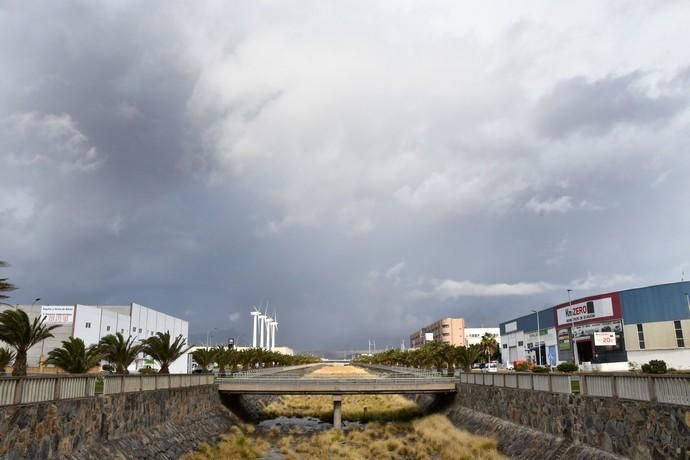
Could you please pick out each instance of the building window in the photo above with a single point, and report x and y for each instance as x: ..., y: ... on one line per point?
x: 446, y: 334
x: 445, y: 326
x: 679, y: 334
x: 640, y: 336
x: 107, y: 328
x: 87, y: 325
x: 505, y: 345
x: 520, y: 343
x: 139, y: 330
x: 134, y: 329
x: 122, y: 331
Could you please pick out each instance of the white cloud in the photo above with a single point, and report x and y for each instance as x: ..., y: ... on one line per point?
x: 451, y: 289
x: 560, y: 204
x: 234, y: 316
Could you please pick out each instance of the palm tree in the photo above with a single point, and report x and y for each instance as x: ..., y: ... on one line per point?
x: 5, y: 286
x: 204, y: 357
x: 6, y: 357
x: 488, y: 345
x: 74, y: 357
x: 160, y: 349
x: 119, y: 351
x: 226, y: 357
x: 21, y: 334
x: 466, y: 356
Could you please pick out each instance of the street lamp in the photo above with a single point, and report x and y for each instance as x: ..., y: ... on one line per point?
x: 538, y: 338
x: 572, y: 328
x: 687, y: 300
x: 208, y: 336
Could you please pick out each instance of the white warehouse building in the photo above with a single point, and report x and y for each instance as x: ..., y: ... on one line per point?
x: 92, y: 322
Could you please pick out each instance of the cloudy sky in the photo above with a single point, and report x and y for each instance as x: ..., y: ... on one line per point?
x: 365, y: 167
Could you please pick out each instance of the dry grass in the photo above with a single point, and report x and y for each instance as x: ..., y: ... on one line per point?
x: 433, y: 437
x: 338, y: 370
x: 240, y: 443
x: 361, y: 408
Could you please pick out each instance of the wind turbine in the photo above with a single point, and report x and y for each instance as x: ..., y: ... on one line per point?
x: 255, y: 314
x: 269, y: 322
x: 275, y: 328
x: 262, y: 322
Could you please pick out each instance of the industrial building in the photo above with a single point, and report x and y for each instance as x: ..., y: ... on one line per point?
x: 92, y: 322
x: 610, y: 332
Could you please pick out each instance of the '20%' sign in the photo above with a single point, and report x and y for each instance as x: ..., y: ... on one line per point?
x: 604, y: 339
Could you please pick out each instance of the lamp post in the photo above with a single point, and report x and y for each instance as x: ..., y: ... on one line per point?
x: 208, y: 336
x: 687, y: 300
x: 572, y: 328
x: 538, y: 338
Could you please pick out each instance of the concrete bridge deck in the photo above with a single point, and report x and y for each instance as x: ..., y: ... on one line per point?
x: 275, y: 385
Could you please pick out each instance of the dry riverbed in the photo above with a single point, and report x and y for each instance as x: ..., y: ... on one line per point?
x: 393, y: 430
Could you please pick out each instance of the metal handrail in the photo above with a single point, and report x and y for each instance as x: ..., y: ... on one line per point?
x: 331, y: 381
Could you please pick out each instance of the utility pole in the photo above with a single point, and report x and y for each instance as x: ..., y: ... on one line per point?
x: 572, y: 329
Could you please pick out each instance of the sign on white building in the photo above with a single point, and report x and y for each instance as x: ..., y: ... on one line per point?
x: 590, y: 309
x: 604, y: 339
x: 57, y: 313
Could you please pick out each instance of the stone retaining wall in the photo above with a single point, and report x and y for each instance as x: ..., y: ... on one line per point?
x: 149, y: 424
x: 634, y: 429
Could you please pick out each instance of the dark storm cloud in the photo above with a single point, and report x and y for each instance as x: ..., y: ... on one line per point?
x: 593, y: 107
x: 359, y: 176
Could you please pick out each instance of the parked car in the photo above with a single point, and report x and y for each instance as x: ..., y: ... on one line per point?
x: 492, y: 366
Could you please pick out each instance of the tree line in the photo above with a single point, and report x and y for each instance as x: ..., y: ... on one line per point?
x: 437, y: 355
x: 74, y: 357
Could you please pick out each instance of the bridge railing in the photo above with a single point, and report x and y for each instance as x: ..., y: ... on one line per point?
x: 114, y: 384
x: 31, y: 389
x: 268, y: 370
x: 670, y: 389
x: 421, y: 372
x: 38, y: 388
x: 331, y: 381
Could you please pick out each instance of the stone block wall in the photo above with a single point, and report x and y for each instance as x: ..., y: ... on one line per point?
x: 113, y: 426
x: 634, y: 429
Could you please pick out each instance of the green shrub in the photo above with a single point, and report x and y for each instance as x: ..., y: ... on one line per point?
x: 540, y: 370
x: 567, y: 367
x: 147, y: 370
x: 655, y: 366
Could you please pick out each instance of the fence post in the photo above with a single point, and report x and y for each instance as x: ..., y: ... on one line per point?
x: 56, y: 388
x: 583, y: 385
x: 651, y: 387
x: 550, y: 383
x: 531, y: 381
x: 122, y: 383
x: 18, y: 390
x: 614, y: 386
x: 141, y: 382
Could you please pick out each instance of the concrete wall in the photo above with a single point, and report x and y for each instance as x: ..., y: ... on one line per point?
x: 150, y: 424
x: 634, y: 429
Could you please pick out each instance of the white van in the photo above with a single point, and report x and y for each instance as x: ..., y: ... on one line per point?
x: 492, y: 366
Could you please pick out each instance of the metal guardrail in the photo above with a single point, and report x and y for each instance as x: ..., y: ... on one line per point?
x: 114, y: 384
x: 332, y: 381
x: 422, y: 372
x: 32, y: 389
x: 669, y: 389
x: 271, y: 370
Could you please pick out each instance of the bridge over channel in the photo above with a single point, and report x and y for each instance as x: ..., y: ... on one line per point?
x: 337, y: 387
